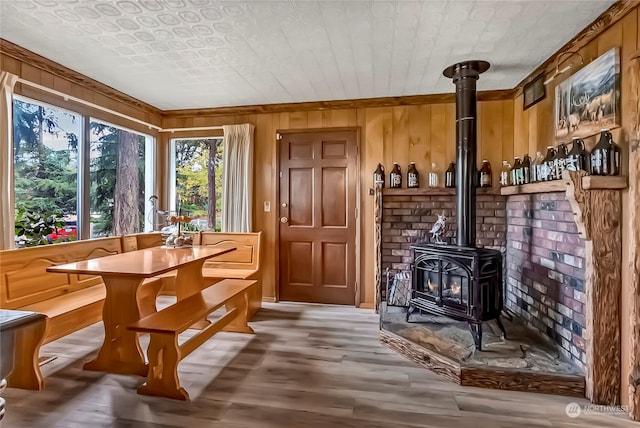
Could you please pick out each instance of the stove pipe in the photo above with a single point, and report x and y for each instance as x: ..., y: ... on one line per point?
x: 464, y: 75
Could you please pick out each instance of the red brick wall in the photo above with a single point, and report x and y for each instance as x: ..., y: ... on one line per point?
x: 545, y: 269
x: 408, y: 219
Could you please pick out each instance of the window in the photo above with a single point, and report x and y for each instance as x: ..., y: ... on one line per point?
x: 196, y: 182
x: 45, y: 154
x: 120, y: 175
x: 55, y: 168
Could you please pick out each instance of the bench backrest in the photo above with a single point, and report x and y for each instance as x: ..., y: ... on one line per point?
x: 24, y: 279
x: 246, y: 255
x: 140, y: 241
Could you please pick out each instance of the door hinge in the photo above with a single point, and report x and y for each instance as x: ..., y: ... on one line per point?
x: 280, y: 174
x: 278, y: 136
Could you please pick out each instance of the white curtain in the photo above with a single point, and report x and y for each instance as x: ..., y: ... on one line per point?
x: 237, y: 188
x: 7, y: 209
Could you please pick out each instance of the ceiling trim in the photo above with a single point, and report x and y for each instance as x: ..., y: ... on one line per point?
x: 505, y: 94
x: 33, y: 59
x: 615, y: 13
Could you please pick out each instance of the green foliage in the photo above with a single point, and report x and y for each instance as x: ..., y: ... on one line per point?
x: 33, y: 228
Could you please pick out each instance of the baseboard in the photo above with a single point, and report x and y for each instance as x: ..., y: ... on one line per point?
x: 365, y: 305
x: 269, y: 299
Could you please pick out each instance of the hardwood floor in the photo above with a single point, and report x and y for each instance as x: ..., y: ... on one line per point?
x: 307, y: 366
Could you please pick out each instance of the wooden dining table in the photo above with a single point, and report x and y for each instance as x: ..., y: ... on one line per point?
x: 130, y: 296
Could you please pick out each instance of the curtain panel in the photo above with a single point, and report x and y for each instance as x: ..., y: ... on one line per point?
x: 237, y: 190
x: 7, y: 207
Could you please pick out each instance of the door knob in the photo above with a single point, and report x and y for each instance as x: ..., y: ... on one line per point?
x: 283, y: 219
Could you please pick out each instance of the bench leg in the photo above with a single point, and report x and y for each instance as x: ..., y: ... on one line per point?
x: 162, y: 378
x: 241, y: 305
x: 26, y: 373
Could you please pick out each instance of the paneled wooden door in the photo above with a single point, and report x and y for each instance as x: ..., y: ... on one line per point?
x: 317, y: 212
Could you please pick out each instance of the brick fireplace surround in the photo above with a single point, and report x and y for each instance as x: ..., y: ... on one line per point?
x: 544, y: 254
x: 562, y: 246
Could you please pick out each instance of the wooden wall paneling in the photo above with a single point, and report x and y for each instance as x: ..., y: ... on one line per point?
x: 507, y: 140
x: 298, y: 120
x: 387, y: 140
x: 533, y: 137
x: 419, y: 148
x: 400, y: 145
x: 450, y: 133
x: 437, y: 138
x: 520, y: 129
x: 284, y: 121
x: 270, y: 257
x: 492, y: 136
x: 314, y: 119
x: 327, y: 118
x: 9, y: 64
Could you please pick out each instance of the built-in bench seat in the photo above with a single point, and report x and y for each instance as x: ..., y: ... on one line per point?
x: 242, y: 263
x: 164, y: 352
x: 70, y: 302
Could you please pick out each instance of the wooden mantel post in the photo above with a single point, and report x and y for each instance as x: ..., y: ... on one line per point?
x: 597, y: 213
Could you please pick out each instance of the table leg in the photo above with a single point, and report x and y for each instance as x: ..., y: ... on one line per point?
x: 120, y: 352
x: 189, y: 281
x: 26, y: 372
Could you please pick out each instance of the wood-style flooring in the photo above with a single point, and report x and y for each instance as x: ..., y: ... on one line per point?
x: 307, y: 366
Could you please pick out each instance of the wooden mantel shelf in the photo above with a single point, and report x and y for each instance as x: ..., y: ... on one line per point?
x: 589, y: 182
x: 437, y: 191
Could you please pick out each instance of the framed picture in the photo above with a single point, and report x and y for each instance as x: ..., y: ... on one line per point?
x: 590, y: 99
x: 534, y: 92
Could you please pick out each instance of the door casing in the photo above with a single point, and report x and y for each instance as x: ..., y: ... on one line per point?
x: 279, y: 132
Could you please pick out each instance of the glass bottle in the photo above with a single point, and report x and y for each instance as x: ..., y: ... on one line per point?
x: 516, y: 172
x: 378, y: 175
x: 413, y: 178
x: 505, y: 174
x: 605, y: 156
x: 615, y: 158
x: 450, y: 176
x: 577, y: 158
x: 559, y: 161
x: 526, y: 169
x: 547, y: 163
x: 535, y: 167
x: 485, y: 174
x: 433, y: 175
x: 395, y: 178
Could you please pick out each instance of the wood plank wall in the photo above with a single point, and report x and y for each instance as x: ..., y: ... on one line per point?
x: 419, y: 133
x: 534, y: 130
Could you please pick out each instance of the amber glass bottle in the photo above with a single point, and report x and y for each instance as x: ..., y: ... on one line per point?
x: 577, y: 158
x: 516, y: 172
x: 526, y: 169
x: 559, y: 162
x: 450, y: 176
x: 378, y: 175
x: 395, y: 178
x: 485, y: 174
x: 605, y: 156
x: 413, y: 178
x: 547, y: 164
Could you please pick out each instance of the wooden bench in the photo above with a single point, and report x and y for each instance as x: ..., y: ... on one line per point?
x: 243, y: 263
x: 164, y: 352
x: 70, y: 302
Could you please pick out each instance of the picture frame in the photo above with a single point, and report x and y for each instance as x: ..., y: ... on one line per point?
x: 534, y: 92
x: 589, y: 100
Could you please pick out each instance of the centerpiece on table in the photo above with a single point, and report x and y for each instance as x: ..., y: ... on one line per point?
x: 176, y: 239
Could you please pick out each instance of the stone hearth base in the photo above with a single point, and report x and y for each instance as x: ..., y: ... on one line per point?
x: 523, y: 362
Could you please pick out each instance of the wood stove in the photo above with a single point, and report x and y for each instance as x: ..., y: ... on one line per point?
x: 461, y: 281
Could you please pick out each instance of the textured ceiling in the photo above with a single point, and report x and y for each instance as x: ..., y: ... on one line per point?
x: 177, y: 54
